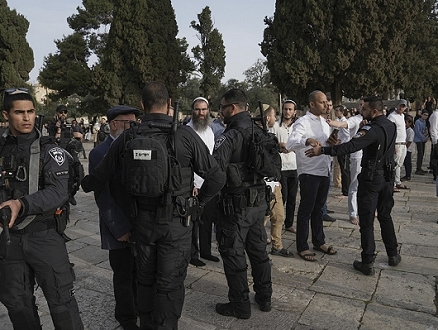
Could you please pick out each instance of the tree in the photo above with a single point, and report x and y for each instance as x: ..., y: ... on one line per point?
x: 257, y: 79
x: 419, y: 57
x: 16, y: 56
x: 344, y: 47
x: 210, y: 54
x: 257, y: 75
x: 66, y: 72
x: 93, y: 22
x: 141, y: 47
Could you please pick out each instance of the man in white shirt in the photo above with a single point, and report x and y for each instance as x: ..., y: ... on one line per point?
x: 344, y: 160
x: 433, y: 132
x: 200, y: 123
x: 277, y: 209
x: 353, y: 124
x: 398, y: 118
x: 289, y: 176
x: 313, y: 174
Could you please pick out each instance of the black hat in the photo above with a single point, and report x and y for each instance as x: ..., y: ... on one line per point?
x: 61, y: 107
x: 120, y: 110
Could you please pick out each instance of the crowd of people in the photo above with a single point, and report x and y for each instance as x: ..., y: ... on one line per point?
x: 163, y: 189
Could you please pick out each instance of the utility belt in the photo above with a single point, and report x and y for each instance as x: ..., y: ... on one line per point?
x: 184, y: 207
x: 231, y: 203
x: 368, y: 173
x: 34, y: 227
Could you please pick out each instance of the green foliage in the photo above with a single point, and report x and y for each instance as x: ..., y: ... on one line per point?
x: 210, y: 54
x: 346, y: 47
x: 67, y: 72
x: 141, y: 47
x: 16, y: 56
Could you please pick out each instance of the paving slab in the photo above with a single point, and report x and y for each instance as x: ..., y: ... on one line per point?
x: 389, y: 318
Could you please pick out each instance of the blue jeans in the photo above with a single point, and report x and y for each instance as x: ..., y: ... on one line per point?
x: 313, y: 191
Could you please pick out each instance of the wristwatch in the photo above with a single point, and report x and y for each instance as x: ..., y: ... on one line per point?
x: 322, y: 150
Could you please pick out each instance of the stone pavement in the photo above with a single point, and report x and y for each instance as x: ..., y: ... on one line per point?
x: 328, y: 294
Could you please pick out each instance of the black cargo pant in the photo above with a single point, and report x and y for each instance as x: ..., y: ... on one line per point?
x: 239, y: 233
x: 163, y: 254
x: 375, y: 195
x: 42, y: 256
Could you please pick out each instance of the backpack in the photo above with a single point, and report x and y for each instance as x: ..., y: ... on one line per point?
x: 263, y: 153
x: 150, y: 168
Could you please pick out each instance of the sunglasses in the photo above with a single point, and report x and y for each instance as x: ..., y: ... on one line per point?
x: 13, y: 91
x: 63, y: 112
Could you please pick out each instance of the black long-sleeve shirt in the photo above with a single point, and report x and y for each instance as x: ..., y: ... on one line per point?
x: 372, y: 139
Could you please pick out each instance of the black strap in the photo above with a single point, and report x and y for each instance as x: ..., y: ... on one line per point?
x: 387, y: 148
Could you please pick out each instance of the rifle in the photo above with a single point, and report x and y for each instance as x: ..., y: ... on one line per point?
x: 5, y: 213
x: 39, y: 122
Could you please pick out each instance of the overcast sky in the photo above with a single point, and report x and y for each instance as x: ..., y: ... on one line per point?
x: 239, y: 21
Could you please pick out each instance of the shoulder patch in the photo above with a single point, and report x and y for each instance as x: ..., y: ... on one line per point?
x: 359, y: 134
x: 366, y: 127
x: 219, y: 141
x: 58, y: 155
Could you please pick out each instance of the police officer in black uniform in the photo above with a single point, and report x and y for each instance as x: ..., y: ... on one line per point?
x: 242, y: 205
x: 163, y: 240
x: 376, y: 180
x: 34, y: 185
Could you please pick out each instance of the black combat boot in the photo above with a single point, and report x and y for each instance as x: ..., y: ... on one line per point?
x: 234, y: 309
x: 265, y: 306
x: 366, y: 269
x: 395, y: 260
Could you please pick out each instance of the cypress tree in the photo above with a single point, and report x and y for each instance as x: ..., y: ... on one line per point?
x: 16, y: 56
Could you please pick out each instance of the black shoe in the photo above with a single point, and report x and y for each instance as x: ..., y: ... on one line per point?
x: 326, y: 217
x: 72, y: 200
x: 210, y: 257
x: 405, y: 178
x: 230, y: 309
x: 265, y: 306
x: 394, y: 261
x: 419, y: 172
x: 130, y: 326
x: 366, y: 269
x: 282, y: 253
x: 330, y: 212
x: 197, y: 262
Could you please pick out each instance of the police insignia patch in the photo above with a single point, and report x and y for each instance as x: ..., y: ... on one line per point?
x: 359, y: 134
x: 58, y: 155
x: 219, y: 141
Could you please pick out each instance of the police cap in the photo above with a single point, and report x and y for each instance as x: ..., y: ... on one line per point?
x: 120, y: 110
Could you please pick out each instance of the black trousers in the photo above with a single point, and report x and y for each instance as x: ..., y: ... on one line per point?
x: 372, y: 195
x: 122, y: 263
x: 239, y: 233
x: 202, y: 231
x: 42, y: 256
x: 163, y: 254
x: 344, y: 164
x: 289, y: 190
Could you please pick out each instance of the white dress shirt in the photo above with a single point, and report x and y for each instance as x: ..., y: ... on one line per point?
x: 310, y: 126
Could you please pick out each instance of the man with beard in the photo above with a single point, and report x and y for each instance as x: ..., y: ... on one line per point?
x: 200, y: 123
x: 377, y: 139
x: 289, y: 175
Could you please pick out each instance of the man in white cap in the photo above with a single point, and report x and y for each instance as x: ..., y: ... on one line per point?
x: 200, y: 123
